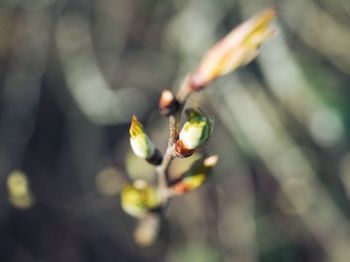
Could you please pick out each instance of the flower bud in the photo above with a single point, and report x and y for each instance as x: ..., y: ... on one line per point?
x: 168, y: 104
x: 194, y: 134
x: 140, y: 143
x: 196, y: 176
x: 238, y: 48
x: 139, y: 198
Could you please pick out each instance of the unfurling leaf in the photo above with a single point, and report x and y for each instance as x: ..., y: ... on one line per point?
x: 139, y: 198
x: 195, y: 132
x: 238, y: 48
x: 140, y: 143
x: 196, y: 176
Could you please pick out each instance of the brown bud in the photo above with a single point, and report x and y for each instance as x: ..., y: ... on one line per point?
x: 181, y: 150
x: 168, y: 104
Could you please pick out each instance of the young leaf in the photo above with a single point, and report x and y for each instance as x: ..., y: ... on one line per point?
x: 196, y: 176
x: 238, y: 48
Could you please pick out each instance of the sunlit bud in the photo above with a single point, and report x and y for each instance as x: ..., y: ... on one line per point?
x: 238, y: 48
x: 194, y: 134
x: 168, y: 104
x: 139, y: 198
x: 196, y: 176
x: 140, y: 143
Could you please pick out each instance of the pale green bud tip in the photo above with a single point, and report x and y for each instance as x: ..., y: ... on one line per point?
x: 140, y: 143
x: 139, y: 198
x: 142, y: 146
x: 197, y: 116
x: 191, y: 134
x: 195, y: 132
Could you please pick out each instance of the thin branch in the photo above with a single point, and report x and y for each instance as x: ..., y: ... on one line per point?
x: 174, y: 123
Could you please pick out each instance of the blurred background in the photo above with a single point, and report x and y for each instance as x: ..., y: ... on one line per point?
x: 73, y: 73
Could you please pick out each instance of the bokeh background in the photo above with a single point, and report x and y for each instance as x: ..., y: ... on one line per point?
x: 73, y: 73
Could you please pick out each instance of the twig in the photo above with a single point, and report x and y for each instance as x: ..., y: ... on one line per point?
x: 174, y: 122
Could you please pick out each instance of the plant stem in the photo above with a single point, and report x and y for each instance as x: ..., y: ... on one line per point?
x: 174, y: 123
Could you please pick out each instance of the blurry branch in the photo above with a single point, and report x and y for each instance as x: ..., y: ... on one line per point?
x: 236, y: 49
x: 288, y: 84
x: 180, y: 36
x: 22, y: 83
x: 111, y: 16
x: 289, y: 165
x: 319, y: 30
x: 340, y: 7
x: 85, y: 81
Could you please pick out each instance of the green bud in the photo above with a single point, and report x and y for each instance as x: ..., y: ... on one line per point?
x: 140, y: 143
x: 139, y: 198
x: 196, y: 176
x: 195, y: 132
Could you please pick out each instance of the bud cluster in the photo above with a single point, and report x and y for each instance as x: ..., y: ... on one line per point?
x: 142, y: 200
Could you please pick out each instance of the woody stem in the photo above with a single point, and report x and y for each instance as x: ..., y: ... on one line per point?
x: 174, y: 123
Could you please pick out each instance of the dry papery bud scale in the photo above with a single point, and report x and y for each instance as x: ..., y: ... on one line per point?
x: 145, y: 201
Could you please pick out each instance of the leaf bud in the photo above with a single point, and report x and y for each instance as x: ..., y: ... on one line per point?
x: 141, y: 145
x: 238, y: 48
x: 168, y: 104
x: 194, y: 134
x: 139, y: 198
x: 195, y: 177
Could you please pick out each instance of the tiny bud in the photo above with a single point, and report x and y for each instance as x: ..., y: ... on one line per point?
x: 196, y: 176
x: 238, y: 48
x: 194, y: 134
x: 139, y: 198
x: 211, y: 161
x: 140, y: 143
x: 168, y: 104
